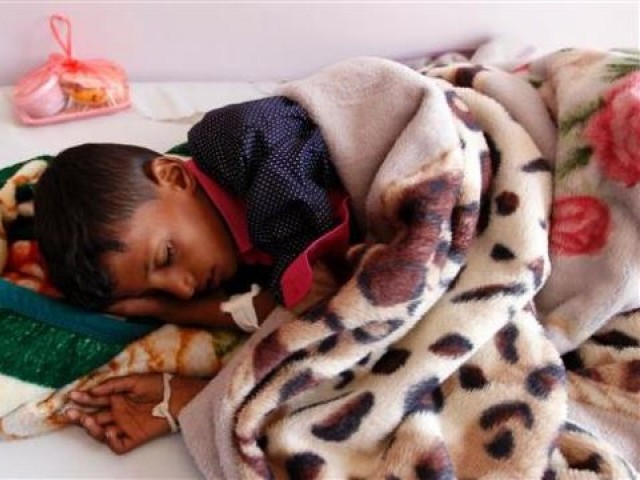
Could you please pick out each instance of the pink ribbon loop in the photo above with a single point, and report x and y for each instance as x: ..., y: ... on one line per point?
x: 56, y: 22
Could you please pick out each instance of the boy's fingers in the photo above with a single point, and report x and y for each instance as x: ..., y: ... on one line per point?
x: 73, y: 415
x: 91, y: 426
x: 118, y: 441
x: 86, y: 399
x: 123, y: 307
x: 113, y: 432
x: 119, y: 402
x: 115, y: 385
x: 103, y: 417
x: 112, y: 437
x: 134, y: 307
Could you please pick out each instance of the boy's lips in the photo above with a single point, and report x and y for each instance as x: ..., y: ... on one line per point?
x: 212, y: 282
x: 209, y: 284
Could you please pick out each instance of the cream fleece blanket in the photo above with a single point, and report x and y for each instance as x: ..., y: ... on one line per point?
x: 430, y: 361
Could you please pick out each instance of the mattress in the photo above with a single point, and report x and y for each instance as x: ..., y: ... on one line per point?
x: 160, y: 117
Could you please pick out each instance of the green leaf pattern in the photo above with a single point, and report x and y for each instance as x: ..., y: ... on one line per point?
x: 628, y: 63
x: 578, y: 158
x: 579, y: 116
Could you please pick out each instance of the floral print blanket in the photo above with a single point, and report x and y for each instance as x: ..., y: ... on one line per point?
x: 590, y: 305
x: 446, y: 355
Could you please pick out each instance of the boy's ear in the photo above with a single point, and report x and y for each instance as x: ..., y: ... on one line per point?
x: 172, y: 173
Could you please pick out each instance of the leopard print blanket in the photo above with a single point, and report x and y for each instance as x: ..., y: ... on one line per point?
x: 430, y: 362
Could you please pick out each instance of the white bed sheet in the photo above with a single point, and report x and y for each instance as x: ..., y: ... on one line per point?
x: 160, y: 117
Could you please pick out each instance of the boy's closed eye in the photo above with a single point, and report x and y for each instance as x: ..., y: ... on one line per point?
x: 168, y: 254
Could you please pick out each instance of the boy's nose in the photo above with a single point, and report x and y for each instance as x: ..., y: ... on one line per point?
x: 183, y: 286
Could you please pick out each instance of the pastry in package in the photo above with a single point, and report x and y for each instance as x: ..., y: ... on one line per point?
x: 66, y: 88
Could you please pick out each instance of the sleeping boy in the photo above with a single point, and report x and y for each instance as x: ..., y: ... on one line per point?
x: 127, y: 230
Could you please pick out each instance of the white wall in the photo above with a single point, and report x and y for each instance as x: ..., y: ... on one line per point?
x: 267, y: 40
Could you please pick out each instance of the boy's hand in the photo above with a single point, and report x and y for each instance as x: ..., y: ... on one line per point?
x: 204, y: 310
x: 123, y: 419
x: 148, y: 306
x: 199, y: 311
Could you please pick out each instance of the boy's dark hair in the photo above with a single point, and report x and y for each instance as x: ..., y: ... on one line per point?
x: 80, y: 201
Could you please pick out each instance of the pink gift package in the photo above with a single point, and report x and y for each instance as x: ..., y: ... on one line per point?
x: 66, y: 88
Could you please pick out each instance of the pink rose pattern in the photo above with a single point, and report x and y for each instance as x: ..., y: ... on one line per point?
x: 614, y: 131
x: 579, y: 225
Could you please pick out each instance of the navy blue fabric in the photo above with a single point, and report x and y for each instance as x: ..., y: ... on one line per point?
x: 270, y: 153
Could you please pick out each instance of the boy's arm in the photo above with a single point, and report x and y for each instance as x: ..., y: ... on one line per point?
x: 119, y: 411
x: 203, y: 311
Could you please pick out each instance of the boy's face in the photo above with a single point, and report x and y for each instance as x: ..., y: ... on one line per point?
x: 176, y: 244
